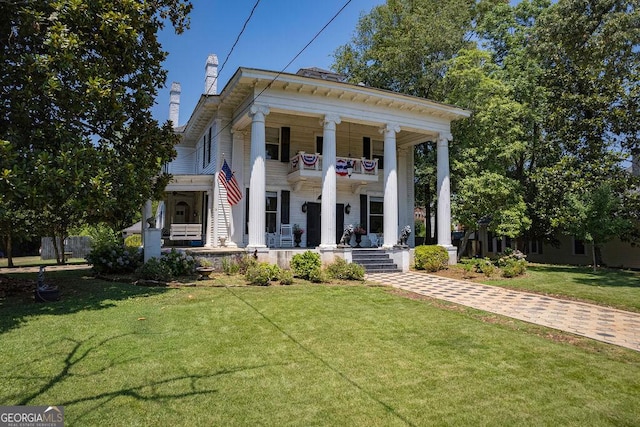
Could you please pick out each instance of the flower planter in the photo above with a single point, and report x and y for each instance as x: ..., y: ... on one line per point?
x: 46, y: 294
x: 205, y: 272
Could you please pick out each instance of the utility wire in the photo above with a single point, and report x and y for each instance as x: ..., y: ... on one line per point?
x: 244, y: 27
x: 286, y: 66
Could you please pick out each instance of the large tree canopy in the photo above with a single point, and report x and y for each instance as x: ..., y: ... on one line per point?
x: 77, y: 81
x: 554, y: 88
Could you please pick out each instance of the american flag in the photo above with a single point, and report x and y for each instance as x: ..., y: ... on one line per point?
x: 229, y: 181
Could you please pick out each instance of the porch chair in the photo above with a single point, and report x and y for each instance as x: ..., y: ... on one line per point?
x: 376, y: 240
x: 286, y: 235
x: 270, y: 239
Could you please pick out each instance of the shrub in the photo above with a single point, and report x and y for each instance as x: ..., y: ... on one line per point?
x: 180, y: 263
x: 155, y: 269
x: 107, y: 258
x: 286, y: 277
x: 512, y: 263
x: 514, y: 267
x: 262, y: 273
x: 231, y: 266
x: 341, y: 269
x: 133, y: 241
x: 303, y: 264
x: 486, y: 267
x: 318, y: 275
x: 431, y: 258
x: 245, y: 262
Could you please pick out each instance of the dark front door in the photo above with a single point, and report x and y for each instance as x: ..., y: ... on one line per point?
x: 339, y: 221
x: 313, y: 225
x: 314, y: 230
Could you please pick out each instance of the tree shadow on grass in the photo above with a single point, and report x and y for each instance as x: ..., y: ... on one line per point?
x: 176, y: 386
x: 585, y: 275
x: 79, y: 291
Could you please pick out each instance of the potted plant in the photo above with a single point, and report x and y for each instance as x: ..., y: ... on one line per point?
x: 297, y: 234
x: 359, y: 231
x: 204, y: 268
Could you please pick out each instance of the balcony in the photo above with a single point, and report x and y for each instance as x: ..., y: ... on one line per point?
x: 308, y: 167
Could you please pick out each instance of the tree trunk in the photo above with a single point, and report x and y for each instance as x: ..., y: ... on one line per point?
x: 9, y: 251
x: 428, y: 239
x: 462, y: 250
x: 593, y: 253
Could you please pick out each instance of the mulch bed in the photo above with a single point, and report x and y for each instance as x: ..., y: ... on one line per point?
x: 12, y: 287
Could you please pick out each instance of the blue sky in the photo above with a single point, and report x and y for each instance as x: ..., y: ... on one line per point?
x: 278, y: 30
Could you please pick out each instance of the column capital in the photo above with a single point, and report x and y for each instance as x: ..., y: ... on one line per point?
x: 444, y: 138
x: 390, y: 127
x: 330, y: 119
x: 258, y: 110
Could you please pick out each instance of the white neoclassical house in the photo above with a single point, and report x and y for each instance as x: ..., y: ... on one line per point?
x: 307, y: 150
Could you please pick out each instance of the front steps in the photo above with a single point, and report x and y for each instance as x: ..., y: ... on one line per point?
x: 374, y: 261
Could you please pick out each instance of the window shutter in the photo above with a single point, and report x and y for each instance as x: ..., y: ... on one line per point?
x: 364, y: 212
x: 209, y: 147
x: 319, y: 144
x: 284, y: 214
x: 366, y: 147
x: 285, y: 146
x: 204, y: 150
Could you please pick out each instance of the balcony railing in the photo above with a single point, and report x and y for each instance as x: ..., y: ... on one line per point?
x: 310, y: 165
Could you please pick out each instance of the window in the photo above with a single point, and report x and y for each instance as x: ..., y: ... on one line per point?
x: 376, y: 214
x: 578, y: 247
x: 271, y: 211
x: 490, y: 241
x: 377, y: 152
x: 319, y: 144
x: 272, y: 139
x: 535, y: 247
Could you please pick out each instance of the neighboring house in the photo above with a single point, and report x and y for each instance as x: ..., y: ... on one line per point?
x: 570, y: 251
x: 305, y: 149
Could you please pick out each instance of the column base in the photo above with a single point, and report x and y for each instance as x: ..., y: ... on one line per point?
x: 453, y: 253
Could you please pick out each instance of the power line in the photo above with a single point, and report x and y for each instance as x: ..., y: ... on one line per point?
x: 290, y: 62
x: 244, y: 27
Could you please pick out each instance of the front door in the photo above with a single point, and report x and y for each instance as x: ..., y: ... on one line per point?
x: 339, y: 221
x: 314, y: 230
x: 313, y: 224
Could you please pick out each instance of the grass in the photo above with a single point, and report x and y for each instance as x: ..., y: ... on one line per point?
x: 610, y: 287
x: 117, y: 354
x: 33, y: 261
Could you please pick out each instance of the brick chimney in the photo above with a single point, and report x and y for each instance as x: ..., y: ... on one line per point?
x: 211, y: 75
x: 174, y: 104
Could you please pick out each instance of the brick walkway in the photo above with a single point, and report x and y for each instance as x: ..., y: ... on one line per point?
x: 600, y: 323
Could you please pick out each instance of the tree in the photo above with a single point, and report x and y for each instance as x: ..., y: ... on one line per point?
x: 492, y: 198
x: 597, y: 218
x: 78, y: 80
x: 404, y: 45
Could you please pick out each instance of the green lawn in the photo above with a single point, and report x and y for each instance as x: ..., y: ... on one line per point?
x: 32, y: 261
x: 615, y: 288
x: 117, y: 354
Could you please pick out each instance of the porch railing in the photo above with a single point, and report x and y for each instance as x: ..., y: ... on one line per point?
x: 345, y: 166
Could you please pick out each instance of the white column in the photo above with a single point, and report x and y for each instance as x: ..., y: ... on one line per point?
x: 211, y: 218
x: 236, y: 231
x: 405, y: 208
x: 390, y: 186
x: 328, y: 208
x: 257, y: 179
x: 444, y: 196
